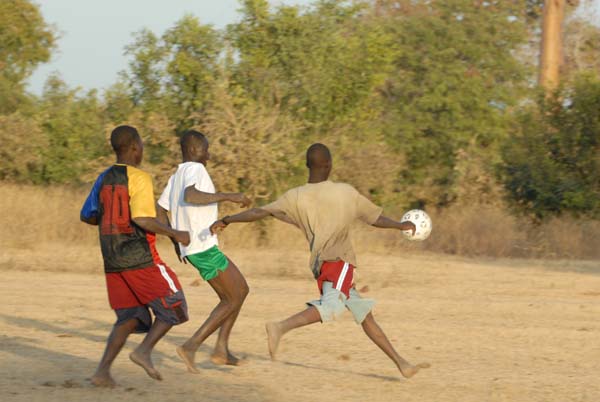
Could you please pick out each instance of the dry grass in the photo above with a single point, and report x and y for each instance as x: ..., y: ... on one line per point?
x: 37, y: 217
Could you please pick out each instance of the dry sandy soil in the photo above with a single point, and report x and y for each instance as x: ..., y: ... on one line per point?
x: 492, y: 331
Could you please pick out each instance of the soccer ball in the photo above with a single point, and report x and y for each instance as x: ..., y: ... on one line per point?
x: 421, y: 220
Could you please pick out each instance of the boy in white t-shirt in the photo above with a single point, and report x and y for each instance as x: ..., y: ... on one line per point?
x: 191, y: 199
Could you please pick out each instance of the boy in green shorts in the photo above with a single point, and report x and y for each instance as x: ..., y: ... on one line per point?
x: 191, y: 199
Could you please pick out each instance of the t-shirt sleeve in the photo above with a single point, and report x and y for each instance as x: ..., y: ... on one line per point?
x: 165, y: 198
x: 283, y: 204
x: 194, y: 176
x: 90, y: 206
x: 141, y: 195
x: 366, y: 211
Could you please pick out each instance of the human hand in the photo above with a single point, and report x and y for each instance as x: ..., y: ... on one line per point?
x: 182, y: 237
x: 178, y: 252
x: 408, y: 225
x: 217, y: 226
x: 240, y: 198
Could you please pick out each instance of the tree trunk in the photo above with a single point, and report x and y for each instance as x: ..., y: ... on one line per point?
x: 551, y: 50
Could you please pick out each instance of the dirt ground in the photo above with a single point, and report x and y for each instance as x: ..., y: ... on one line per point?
x: 492, y: 330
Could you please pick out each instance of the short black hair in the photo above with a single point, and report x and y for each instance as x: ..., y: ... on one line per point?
x: 317, y: 155
x: 122, y: 137
x: 192, y: 137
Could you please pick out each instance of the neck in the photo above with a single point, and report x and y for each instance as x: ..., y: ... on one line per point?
x: 125, y: 160
x: 317, y: 176
x: 190, y: 158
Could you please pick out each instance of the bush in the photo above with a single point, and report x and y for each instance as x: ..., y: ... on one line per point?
x: 552, y: 163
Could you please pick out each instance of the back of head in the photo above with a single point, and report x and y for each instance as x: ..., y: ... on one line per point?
x: 192, y: 138
x: 123, y: 137
x: 318, y: 157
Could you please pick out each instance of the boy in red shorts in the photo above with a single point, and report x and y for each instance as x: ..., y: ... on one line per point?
x: 324, y: 211
x: 121, y: 204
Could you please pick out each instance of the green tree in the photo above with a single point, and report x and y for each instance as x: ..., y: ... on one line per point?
x: 26, y: 40
x: 174, y: 72
x: 22, y: 145
x: 322, y: 64
x: 146, y: 70
x: 73, y: 127
x: 551, y: 164
x: 455, y: 83
x: 193, y: 53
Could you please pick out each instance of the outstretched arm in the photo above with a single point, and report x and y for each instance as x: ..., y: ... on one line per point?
x: 249, y: 215
x: 193, y: 196
x: 387, y: 223
x: 154, y: 225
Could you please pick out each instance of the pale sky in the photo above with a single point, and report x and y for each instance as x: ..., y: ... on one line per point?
x: 94, y: 33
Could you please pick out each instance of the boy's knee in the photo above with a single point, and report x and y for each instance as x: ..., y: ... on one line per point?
x: 244, y: 290
x: 229, y: 306
x: 329, y: 310
x: 238, y: 297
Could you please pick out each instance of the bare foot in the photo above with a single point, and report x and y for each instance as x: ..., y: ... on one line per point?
x: 274, y: 336
x: 145, y: 363
x: 188, y: 358
x: 410, y: 370
x: 103, y: 380
x: 229, y: 360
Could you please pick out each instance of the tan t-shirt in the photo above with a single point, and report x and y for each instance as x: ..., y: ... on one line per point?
x: 324, y: 212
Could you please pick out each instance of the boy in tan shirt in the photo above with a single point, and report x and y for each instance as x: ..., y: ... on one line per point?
x: 324, y: 211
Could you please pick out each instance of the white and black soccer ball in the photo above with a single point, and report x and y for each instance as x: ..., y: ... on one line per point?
x: 421, y: 220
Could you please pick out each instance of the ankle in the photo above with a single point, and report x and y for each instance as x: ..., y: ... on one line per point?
x: 102, y: 373
x: 190, y: 346
x: 220, y: 350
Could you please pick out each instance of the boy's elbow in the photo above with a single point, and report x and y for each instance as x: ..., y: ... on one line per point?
x: 187, y: 195
x: 190, y: 195
x: 91, y: 220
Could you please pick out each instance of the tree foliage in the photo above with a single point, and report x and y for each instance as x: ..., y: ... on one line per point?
x: 26, y: 40
x: 423, y: 102
x: 552, y: 163
x: 455, y: 83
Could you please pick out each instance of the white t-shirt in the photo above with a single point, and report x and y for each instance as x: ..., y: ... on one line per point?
x: 193, y: 218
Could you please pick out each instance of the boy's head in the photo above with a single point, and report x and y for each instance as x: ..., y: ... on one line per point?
x: 318, y: 158
x: 194, y: 147
x: 127, y: 144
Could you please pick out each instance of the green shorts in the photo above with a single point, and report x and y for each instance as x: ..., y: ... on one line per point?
x: 209, y: 262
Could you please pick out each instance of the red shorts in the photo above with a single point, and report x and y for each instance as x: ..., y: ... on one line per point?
x: 340, y: 273
x: 139, y: 287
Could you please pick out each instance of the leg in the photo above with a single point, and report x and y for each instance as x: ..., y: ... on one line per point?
x: 225, y: 287
x: 275, y: 330
x: 221, y: 354
x: 114, y: 344
x: 375, y: 333
x: 142, y: 354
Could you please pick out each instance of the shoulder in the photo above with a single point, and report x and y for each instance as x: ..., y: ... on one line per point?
x: 292, y: 192
x: 138, y: 178
x: 135, y: 173
x: 100, y: 177
x: 194, y: 169
x: 344, y: 187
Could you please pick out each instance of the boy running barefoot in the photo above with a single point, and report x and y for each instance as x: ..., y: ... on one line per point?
x: 191, y: 199
x: 324, y: 211
x: 121, y: 204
